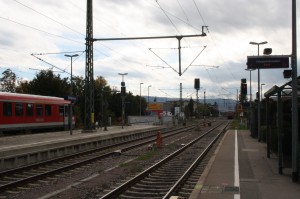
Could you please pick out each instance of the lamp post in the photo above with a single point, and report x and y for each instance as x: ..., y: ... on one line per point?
x: 148, y: 93
x: 261, y: 96
x: 251, y: 111
x: 250, y: 70
x: 71, y: 93
x: 141, y: 99
x: 258, y: 88
x: 123, y: 97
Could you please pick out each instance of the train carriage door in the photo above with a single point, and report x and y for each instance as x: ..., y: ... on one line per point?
x: 66, y: 119
x: 63, y: 113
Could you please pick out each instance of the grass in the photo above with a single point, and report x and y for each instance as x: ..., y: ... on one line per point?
x: 143, y: 157
x: 147, y: 155
x: 236, y: 124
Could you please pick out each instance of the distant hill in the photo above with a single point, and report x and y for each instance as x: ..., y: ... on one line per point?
x: 224, y: 105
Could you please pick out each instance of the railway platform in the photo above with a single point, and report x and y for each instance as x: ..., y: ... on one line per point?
x: 240, y: 169
x: 21, y: 150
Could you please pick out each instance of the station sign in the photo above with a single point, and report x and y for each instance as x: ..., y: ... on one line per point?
x: 155, y: 106
x: 71, y: 98
x: 268, y: 62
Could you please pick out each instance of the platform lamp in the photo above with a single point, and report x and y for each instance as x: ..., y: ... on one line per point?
x: 141, y: 99
x: 71, y: 92
x: 258, y: 88
x: 123, y: 91
x: 261, y: 96
x: 148, y: 93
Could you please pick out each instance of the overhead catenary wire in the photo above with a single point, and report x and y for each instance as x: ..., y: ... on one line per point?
x: 212, y: 38
x: 45, y: 32
x: 82, y: 51
x: 63, y: 70
x: 194, y: 59
x: 163, y: 60
x: 56, y: 21
x: 48, y: 17
x: 187, y: 19
x: 167, y: 16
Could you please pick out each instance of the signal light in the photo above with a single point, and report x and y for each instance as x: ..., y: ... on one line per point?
x: 197, y: 84
x: 287, y: 74
x: 123, y: 90
x: 244, y: 89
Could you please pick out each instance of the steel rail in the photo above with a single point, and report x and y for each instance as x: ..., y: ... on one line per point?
x: 77, y: 164
x: 69, y: 156
x: 123, y: 187
x: 190, y: 170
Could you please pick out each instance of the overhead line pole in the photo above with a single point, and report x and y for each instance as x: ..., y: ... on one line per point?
x: 89, y: 72
x: 295, y: 141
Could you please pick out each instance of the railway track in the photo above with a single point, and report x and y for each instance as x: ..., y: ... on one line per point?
x: 174, y: 175
x: 23, y: 176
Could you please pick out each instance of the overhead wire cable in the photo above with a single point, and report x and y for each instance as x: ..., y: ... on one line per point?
x: 194, y: 59
x: 200, y: 14
x: 64, y: 26
x: 58, y: 53
x: 106, y: 46
x: 187, y: 19
x: 182, y: 20
x: 53, y: 66
x: 163, y: 60
x: 51, y: 34
x: 211, y: 36
x: 48, y: 17
x: 167, y: 16
x: 50, y: 64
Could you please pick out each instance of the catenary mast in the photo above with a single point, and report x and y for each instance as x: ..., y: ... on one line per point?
x: 89, y: 71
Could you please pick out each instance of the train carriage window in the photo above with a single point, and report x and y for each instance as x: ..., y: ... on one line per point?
x: 48, y: 110
x: 66, y: 111
x: 19, y: 109
x: 29, y: 109
x: 61, y: 110
x: 7, y: 108
x: 39, y: 110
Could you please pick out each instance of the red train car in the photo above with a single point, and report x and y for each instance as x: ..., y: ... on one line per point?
x: 23, y: 112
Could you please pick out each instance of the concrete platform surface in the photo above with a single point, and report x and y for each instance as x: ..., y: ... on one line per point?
x: 23, y: 141
x: 245, y: 173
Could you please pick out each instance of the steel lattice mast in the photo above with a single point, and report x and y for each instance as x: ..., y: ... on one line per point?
x: 89, y: 70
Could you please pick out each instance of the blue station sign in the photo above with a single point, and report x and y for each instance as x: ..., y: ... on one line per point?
x: 268, y: 62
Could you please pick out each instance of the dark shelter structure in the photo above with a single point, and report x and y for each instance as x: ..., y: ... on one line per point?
x: 277, y: 124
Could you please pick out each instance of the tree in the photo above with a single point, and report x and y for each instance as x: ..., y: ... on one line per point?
x: 48, y: 84
x: 8, y: 81
x: 22, y: 87
x: 101, y: 94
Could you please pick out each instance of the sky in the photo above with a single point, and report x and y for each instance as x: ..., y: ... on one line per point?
x: 49, y: 29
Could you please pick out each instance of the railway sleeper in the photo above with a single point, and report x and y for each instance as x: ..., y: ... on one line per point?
x: 148, y: 183
x: 165, y: 176
x: 187, y: 189
x: 151, y: 189
x: 194, y: 179
x: 166, y: 172
x: 21, y: 175
x: 136, y: 197
x: 185, y: 194
x: 191, y: 183
x: 3, y: 182
x: 152, y: 185
x: 144, y: 193
x: 167, y: 179
x: 171, y: 170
